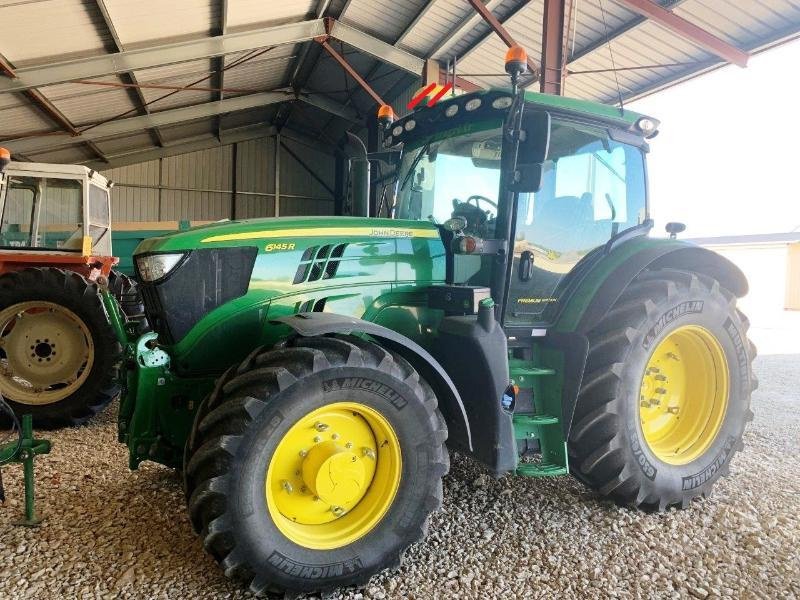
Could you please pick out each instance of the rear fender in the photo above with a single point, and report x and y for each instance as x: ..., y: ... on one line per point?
x: 450, y: 403
x: 602, y: 286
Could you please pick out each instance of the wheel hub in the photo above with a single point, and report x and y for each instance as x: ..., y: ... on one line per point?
x: 684, y: 395
x: 333, y: 475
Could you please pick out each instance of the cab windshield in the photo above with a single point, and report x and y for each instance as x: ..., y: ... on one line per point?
x: 457, y: 176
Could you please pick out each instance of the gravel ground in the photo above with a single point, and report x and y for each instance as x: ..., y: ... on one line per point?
x: 112, y: 533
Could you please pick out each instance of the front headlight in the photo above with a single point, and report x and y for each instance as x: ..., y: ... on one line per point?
x: 155, y: 266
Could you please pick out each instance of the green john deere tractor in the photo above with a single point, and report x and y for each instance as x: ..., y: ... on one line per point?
x: 309, y: 375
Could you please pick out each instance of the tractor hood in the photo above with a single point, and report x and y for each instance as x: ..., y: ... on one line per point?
x: 285, y: 230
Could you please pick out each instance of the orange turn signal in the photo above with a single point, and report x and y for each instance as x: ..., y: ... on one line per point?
x: 5, y: 158
x: 386, y: 114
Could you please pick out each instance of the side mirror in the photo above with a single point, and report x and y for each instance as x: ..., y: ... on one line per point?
x: 674, y: 228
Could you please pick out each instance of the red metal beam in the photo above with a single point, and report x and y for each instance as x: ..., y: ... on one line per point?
x: 350, y: 70
x: 687, y: 30
x: 552, y: 78
x: 501, y: 31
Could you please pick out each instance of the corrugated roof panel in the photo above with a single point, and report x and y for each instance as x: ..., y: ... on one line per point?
x: 264, y: 72
x: 386, y: 21
x: 18, y: 118
x: 439, y: 20
x: 50, y: 30
x: 142, y: 21
x: 743, y: 24
x: 83, y: 104
x: 245, y: 14
x: 181, y: 74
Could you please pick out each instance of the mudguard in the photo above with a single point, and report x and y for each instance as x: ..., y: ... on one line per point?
x: 311, y: 324
x: 605, y: 282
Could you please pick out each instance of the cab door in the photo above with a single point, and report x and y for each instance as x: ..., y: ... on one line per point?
x: 593, y: 188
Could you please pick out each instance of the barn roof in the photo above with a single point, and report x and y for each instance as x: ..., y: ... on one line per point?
x: 109, y: 82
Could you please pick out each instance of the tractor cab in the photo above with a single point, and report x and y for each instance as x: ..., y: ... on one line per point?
x: 55, y: 208
x: 532, y: 178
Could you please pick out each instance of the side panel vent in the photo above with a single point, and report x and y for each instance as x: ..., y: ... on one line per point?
x: 319, y: 262
x: 310, y: 305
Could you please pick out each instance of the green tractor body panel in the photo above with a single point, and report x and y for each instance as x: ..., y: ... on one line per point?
x: 230, y: 281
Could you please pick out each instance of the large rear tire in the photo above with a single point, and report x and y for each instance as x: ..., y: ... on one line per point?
x: 58, y: 353
x: 315, y: 465
x: 666, y: 393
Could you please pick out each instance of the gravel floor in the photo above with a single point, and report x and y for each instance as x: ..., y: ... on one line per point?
x: 113, y: 533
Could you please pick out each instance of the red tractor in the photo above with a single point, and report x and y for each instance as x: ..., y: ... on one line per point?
x: 58, y: 353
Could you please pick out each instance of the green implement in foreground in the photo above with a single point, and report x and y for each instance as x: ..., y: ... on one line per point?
x: 23, y: 452
x: 310, y: 375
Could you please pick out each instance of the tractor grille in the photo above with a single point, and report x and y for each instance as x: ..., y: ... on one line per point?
x: 206, y: 279
x: 319, y: 262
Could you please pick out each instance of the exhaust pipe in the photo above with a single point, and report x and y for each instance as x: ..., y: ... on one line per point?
x: 359, y: 175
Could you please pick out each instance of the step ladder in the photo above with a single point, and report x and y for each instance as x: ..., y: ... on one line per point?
x: 544, y: 426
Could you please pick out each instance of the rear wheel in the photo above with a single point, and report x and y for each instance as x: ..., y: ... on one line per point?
x: 57, y: 351
x: 666, y: 394
x: 315, y: 465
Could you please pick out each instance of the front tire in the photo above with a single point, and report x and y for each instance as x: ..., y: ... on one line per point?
x: 666, y: 392
x: 315, y: 465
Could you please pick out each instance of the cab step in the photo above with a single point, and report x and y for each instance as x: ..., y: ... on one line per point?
x: 541, y: 470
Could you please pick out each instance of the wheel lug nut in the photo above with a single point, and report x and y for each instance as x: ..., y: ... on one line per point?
x: 661, y: 391
x: 673, y: 410
x: 660, y: 378
x: 303, y: 453
x: 348, y: 445
x: 287, y: 486
x: 320, y: 426
x: 369, y: 453
x: 335, y: 436
x: 317, y: 439
x: 337, y: 510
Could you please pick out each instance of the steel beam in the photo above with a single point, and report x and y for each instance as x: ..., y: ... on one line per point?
x: 165, y: 117
x: 501, y: 31
x: 173, y: 116
x: 687, y: 30
x: 132, y: 60
x: 552, y: 73
x: 377, y: 48
x: 348, y: 68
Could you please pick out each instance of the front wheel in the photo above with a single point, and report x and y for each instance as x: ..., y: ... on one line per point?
x: 666, y: 394
x: 315, y: 465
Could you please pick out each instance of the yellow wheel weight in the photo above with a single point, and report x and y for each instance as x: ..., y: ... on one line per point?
x: 333, y: 475
x: 684, y: 395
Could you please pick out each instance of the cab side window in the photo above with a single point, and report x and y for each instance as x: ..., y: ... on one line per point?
x: 593, y: 188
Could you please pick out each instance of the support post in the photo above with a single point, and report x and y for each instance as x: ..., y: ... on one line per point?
x: 552, y: 77
x: 234, y: 167
x: 373, y: 140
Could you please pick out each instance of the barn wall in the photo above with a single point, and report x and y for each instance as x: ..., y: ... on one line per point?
x: 199, y: 186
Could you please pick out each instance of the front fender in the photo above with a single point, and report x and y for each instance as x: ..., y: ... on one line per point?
x: 450, y: 403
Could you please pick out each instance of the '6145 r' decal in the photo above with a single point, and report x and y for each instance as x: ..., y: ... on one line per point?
x: 684, y: 308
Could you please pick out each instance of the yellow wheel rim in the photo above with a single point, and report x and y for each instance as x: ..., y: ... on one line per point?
x: 333, y: 476
x: 684, y: 395
x: 46, y: 352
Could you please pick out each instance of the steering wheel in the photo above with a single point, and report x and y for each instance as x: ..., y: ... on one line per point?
x: 478, y: 199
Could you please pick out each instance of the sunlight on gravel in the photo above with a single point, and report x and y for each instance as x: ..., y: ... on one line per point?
x: 113, y: 533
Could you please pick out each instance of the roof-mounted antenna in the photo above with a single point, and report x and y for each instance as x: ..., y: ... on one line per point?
x: 611, y: 54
